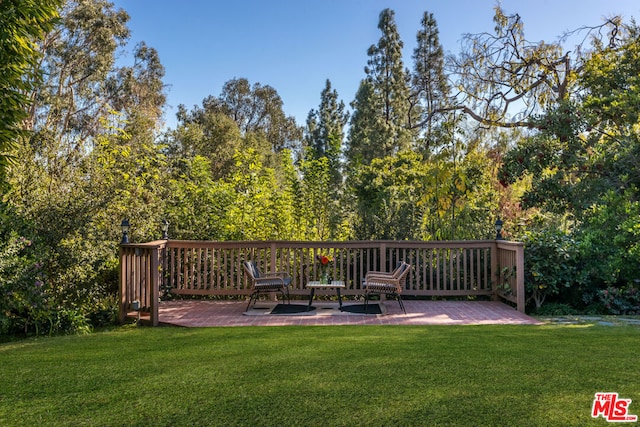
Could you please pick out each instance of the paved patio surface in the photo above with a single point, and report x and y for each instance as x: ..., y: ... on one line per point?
x: 231, y: 313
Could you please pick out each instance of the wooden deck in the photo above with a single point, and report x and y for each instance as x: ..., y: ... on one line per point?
x: 442, y: 269
x: 193, y: 313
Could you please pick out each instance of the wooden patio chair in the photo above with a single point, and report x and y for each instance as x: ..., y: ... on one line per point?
x: 390, y: 284
x: 266, y: 282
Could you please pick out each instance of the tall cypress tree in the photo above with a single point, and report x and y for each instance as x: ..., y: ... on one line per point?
x: 430, y: 89
x: 325, y: 131
x: 359, y: 148
x: 385, y: 94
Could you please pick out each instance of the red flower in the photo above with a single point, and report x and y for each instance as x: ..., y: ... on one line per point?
x: 323, y: 259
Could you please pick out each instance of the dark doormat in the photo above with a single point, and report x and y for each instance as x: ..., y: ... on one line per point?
x: 359, y: 309
x: 293, y: 309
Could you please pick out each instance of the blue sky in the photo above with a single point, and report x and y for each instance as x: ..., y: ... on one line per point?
x: 295, y: 45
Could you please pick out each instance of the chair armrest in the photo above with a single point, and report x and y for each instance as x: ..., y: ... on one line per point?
x: 262, y: 280
x: 381, y: 274
x: 276, y: 274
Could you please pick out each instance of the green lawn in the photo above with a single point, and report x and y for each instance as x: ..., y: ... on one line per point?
x: 310, y: 376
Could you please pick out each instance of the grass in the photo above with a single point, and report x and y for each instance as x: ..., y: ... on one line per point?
x: 308, y: 376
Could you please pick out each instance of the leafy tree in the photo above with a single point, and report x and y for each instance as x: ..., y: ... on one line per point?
x: 198, y: 204
x: 78, y: 57
x: 505, y: 79
x: 552, y: 264
x: 23, y: 303
x: 461, y: 200
x: 588, y: 146
x: 318, y: 204
x: 262, y: 207
x: 23, y: 24
x: 257, y: 109
x: 582, y: 166
x: 362, y: 139
x: 137, y: 91
x: 86, y: 166
x: 388, y: 195
x: 212, y: 135
x: 243, y: 117
x: 501, y: 70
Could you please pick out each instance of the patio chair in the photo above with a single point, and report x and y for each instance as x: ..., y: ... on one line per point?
x: 395, y: 273
x: 389, y: 284
x: 266, y: 282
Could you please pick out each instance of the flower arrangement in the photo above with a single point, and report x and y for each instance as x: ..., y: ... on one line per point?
x: 323, y: 263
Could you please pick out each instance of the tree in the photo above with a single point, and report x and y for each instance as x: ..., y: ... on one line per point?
x: 460, y: 201
x: 388, y: 195
x: 242, y: 117
x: 78, y: 57
x: 360, y: 143
x: 582, y: 165
x: 385, y: 95
x: 504, y: 79
x: 138, y: 91
x: 325, y: 132
x: 430, y: 92
x: 210, y: 134
x: 23, y: 24
x: 500, y: 70
x: 257, y: 109
x: 263, y: 205
x: 587, y: 146
x: 318, y: 206
x: 85, y: 166
x: 197, y: 203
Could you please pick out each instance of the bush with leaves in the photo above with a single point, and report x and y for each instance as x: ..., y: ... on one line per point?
x: 625, y: 300
x: 24, y: 304
x: 610, y: 241
x: 551, y: 265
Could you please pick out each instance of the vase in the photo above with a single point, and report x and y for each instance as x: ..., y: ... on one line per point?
x: 324, y: 278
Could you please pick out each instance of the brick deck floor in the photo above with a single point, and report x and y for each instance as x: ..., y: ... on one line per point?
x: 231, y: 313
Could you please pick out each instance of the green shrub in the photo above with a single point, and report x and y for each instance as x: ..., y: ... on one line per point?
x: 24, y: 301
x: 103, y: 311
x: 28, y: 305
x: 625, y: 300
x: 552, y: 266
x: 610, y: 242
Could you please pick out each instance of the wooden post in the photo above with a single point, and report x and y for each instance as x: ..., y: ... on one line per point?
x: 383, y: 257
x: 154, y: 283
x: 520, y: 288
x: 495, y: 273
x: 122, y: 314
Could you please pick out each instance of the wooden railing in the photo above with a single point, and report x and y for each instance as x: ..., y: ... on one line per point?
x: 510, y: 272
x: 447, y: 269
x: 141, y: 268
